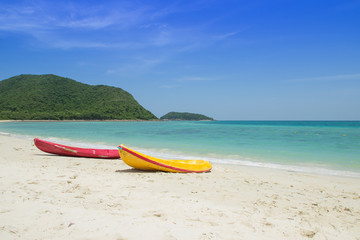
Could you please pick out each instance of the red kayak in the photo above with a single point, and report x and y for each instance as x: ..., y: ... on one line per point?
x: 63, y: 150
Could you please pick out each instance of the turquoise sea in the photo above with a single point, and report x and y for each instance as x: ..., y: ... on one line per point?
x: 325, y: 147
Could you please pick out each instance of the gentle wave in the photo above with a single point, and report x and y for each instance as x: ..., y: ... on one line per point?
x: 251, y: 163
x: 330, y: 148
x: 169, y: 154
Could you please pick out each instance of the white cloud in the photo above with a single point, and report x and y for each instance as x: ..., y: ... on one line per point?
x: 196, y: 79
x: 169, y: 86
x: 226, y: 35
x: 329, y: 78
x: 138, y: 65
x: 119, y: 25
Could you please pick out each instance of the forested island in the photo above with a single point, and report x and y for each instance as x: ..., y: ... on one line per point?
x: 51, y: 97
x: 185, y: 116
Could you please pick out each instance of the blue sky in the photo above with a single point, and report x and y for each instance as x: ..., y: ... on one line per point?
x: 234, y: 60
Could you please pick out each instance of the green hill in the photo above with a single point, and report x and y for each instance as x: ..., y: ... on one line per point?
x: 185, y: 116
x: 50, y: 97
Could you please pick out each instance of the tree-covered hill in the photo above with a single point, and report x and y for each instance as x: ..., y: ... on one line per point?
x: 185, y: 116
x: 50, y: 97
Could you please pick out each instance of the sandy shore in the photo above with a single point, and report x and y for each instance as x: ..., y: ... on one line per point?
x: 52, y: 197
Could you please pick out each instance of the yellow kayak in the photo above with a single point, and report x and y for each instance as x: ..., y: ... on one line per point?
x: 141, y: 161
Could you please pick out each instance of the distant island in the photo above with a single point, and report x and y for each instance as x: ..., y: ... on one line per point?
x: 185, y: 116
x: 51, y: 97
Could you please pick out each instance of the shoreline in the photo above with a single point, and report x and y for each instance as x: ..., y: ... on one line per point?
x: 313, y: 170
x: 53, y: 197
x: 165, y: 120
x: 154, y: 120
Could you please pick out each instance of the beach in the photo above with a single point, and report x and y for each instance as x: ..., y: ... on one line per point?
x: 45, y: 196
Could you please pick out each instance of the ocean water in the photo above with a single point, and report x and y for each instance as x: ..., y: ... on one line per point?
x: 325, y: 147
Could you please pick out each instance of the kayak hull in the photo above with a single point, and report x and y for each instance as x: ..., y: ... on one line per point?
x: 143, y: 162
x: 64, y: 150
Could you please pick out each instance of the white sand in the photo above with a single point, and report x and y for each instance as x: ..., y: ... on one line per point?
x: 43, y: 196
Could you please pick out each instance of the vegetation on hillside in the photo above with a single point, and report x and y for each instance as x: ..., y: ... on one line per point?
x: 50, y: 97
x: 185, y: 116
